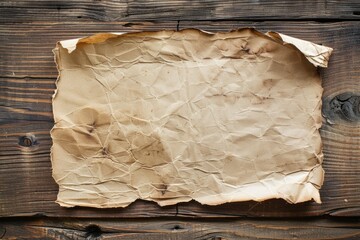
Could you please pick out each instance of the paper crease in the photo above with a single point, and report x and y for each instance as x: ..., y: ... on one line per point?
x: 172, y: 116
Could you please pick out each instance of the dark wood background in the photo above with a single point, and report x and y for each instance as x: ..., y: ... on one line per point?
x: 29, y: 31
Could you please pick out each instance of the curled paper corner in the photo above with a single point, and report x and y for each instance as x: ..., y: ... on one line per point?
x: 71, y: 44
x: 186, y: 115
x: 318, y: 55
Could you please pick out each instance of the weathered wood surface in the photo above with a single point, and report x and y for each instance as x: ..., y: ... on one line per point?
x: 27, y: 76
x: 30, y: 29
x: 145, y: 10
x: 180, y: 229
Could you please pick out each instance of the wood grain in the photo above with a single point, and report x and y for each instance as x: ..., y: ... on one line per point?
x: 28, y: 69
x: 145, y: 10
x: 28, y: 170
x: 180, y: 229
x: 27, y: 76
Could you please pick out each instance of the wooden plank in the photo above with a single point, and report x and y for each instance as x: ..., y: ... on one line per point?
x: 144, y: 10
x: 29, y: 64
x: 26, y: 184
x: 180, y: 229
x: 27, y: 76
x: 28, y: 170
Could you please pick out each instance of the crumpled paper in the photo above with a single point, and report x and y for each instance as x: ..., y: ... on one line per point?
x: 172, y: 116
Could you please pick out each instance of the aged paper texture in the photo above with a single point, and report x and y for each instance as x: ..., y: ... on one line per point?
x: 172, y: 116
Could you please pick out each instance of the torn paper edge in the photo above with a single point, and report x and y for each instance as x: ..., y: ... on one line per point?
x: 317, y: 55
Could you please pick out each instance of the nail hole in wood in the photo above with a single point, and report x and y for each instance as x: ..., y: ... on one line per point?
x: 27, y: 141
x: 177, y: 227
x: 128, y: 24
x: 216, y: 238
x: 93, y: 232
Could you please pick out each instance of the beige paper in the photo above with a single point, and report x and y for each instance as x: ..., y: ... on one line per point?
x: 174, y: 116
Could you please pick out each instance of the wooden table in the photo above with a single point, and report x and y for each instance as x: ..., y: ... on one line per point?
x: 29, y: 31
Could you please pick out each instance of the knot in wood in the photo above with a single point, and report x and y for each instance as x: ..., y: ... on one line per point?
x: 27, y: 140
x: 346, y: 106
x: 93, y: 232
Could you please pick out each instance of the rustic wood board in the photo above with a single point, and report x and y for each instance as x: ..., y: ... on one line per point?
x: 27, y: 76
x: 165, y: 10
x: 30, y: 29
x: 180, y: 229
